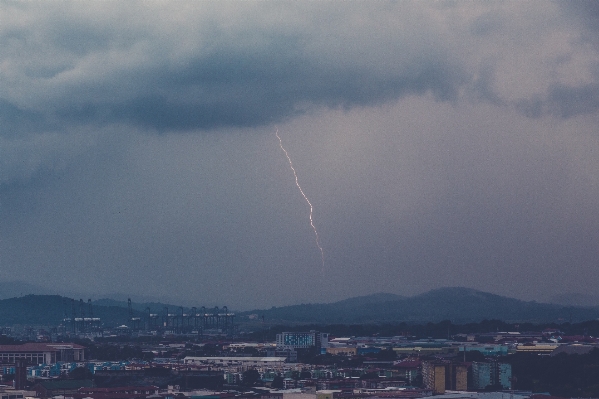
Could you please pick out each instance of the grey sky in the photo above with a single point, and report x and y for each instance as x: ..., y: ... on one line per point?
x: 441, y: 143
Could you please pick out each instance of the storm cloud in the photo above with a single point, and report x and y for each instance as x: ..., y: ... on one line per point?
x: 212, y: 66
x: 441, y: 143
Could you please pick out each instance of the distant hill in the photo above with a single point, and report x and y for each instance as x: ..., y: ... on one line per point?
x: 368, y: 299
x: 16, y: 288
x: 155, y: 307
x: 574, y: 299
x: 50, y: 310
x: 12, y: 289
x: 460, y: 305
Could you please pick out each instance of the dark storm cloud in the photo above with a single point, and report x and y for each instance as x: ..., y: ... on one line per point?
x: 261, y: 67
x: 15, y: 121
x: 571, y: 101
x: 256, y: 86
x: 563, y: 101
x: 586, y: 11
x: 66, y: 69
x: 441, y: 143
x: 218, y: 94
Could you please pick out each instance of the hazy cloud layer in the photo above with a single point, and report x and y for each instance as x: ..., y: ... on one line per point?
x: 442, y: 143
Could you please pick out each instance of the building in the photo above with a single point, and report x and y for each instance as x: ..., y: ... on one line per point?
x: 136, y: 392
x: 504, y: 375
x: 408, y: 369
x: 343, y: 351
x: 570, y: 349
x: 50, y: 388
x: 433, y: 377
x: 481, y: 375
x: 243, y: 362
x: 418, y: 350
x: 326, y: 394
x: 302, y: 340
x: 15, y: 394
x: 339, y: 384
x: 287, y: 395
x: 541, y: 349
x: 20, y: 374
x: 487, y: 350
x: 456, y: 377
x: 486, y: 374
x: 289, y: 354
x: 184, y: 375
x: 39, y: 353
x: 441, y: 376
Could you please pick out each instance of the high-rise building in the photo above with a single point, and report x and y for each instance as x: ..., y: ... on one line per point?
x: 20, y: 373
x: 458, y: 377
x: 433, y: 377
x: 439, y: 376
x: 486, y: 374
x: 481, y: 375
x: 504, y: 375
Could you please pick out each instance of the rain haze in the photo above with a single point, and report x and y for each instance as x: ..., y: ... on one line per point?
x: 441, y: 143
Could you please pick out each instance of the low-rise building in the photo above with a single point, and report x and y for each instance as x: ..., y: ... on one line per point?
x: 16, y: 394
x: 541, y: 349
x: 38, y: 353
x: 137, y: 392
x: 343, y: 351
x: 50, y: 388
x: 242, y: 361
x: 487, y: 350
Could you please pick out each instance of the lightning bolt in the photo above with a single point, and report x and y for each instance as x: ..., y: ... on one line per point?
x: 303, y: 195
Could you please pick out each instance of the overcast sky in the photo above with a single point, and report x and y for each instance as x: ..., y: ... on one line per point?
x: 441, y: 143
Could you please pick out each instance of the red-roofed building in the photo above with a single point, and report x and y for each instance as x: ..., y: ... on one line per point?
x: 37, y: 353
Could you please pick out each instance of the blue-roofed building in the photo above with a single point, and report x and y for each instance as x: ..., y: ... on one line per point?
x: 487, y: 350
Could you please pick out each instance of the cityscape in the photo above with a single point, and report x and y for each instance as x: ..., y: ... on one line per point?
x: 200, y: 353
x: 299, y: 199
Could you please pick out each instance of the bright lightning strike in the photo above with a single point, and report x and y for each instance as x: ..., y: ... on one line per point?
x: 303, y: 195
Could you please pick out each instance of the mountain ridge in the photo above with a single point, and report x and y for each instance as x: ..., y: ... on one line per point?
x: 457, y: 304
